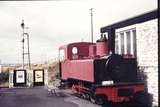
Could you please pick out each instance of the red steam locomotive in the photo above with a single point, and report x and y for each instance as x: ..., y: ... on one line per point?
x: 96, y: 74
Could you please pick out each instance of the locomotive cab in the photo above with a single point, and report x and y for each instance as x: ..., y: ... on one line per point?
x: 75, y: 51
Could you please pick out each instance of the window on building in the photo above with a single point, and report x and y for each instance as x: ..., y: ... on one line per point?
x: 116, y: 44
x: 121, y: 45
x: 125, y: 42
x: 134, y: 42
x: 128, y: 36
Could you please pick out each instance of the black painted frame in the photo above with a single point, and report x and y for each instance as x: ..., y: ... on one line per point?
x: 14, y: 78
x: 38, y: 83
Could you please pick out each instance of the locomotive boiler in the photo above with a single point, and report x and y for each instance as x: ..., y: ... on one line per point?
x: 94, y: 73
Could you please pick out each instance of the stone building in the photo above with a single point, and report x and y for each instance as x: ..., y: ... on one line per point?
x: 138, y: 37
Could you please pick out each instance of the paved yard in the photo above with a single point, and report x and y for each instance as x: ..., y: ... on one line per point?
x: 39, y: 97
x: 32, y: 97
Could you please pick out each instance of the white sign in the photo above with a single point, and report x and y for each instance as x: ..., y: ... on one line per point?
x: 38, y: 76
x: 20, y: 77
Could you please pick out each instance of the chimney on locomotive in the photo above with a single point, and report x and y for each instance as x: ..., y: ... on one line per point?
x: 102, y: 46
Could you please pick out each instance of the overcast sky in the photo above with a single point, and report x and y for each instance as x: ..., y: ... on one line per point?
x: 55, y: 23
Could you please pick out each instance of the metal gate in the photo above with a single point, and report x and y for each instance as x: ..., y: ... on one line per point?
x: 19, y: 77
x: 38, y: 77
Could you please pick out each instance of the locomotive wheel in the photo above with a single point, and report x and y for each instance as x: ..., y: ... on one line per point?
x: 143, y: 99
x: 79, y: 95
x: 92, y: 100
x: 85, y: 96
x: 98, y: 99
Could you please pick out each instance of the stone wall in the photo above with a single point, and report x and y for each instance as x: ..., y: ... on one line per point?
x: 147, y: 54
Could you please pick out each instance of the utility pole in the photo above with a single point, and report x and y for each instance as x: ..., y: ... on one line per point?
x: 22, y: 25
x: 23, y: 41
x: 28, y: 51
x: 91, y: 24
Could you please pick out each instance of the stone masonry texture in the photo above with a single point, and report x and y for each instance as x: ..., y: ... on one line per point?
x: 147, y: 54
